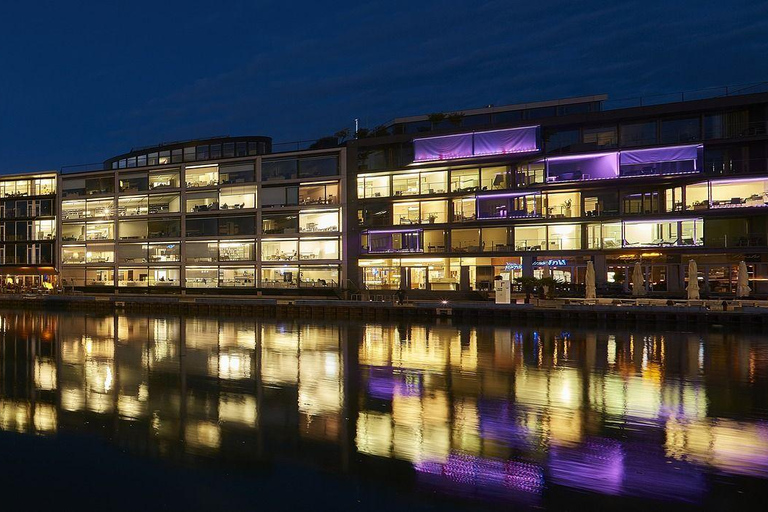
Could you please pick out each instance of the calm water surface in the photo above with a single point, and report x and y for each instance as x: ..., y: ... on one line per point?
x: 180, y: 413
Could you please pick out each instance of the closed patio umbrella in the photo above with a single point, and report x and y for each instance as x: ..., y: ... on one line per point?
x: 589, y: 281
x: 742, y: 281
x: 638, y: 283
x: 693, y: 281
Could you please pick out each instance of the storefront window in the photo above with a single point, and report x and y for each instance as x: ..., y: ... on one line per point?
x: 279, y: 277
x: 201, y: 277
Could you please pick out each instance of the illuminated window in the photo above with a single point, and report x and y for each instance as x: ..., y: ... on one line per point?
x: 319, y: 249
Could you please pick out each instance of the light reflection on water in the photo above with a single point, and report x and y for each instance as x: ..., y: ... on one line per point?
x: 493, y: 413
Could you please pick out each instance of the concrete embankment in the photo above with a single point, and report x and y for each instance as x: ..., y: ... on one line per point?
x: 701, y: 313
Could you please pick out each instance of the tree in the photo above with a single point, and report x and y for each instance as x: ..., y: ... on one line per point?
x: 528, y: 284
x: 455, y: 118
x: 342, y: 135
x: 436, y: 119
x: 548, y: 284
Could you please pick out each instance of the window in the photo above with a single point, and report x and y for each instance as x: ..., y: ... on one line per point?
x: 604, y: 236
x: 279, y: 250
x: 674, y: 131
x: 321, y: 193
x: 99, y: 277
x: 465, y: 180
x: 200, y: 227
x: 282, y: 169
x: 44, y: 186
x: 560, y: 141
x: 375, y: 215
x: 99, y: 209
x: 564, y: 237
x: 73, y: 254
x: 405, y: 184
x: 530, y: 238
x: 164, y: 203
x: 230, y: 226
x: 164, y: 228
x: 697, y: 196
x: 274, y: 224
x: 563, y: 205
x: 392, y: 241
x: 164, y: 277
x: 100, y: 253
x: 728, y: 125
x: 319, y: 249
x: 582, y: 167
x: 133, y: 183
x: 203, y: 202
x: 739, y: 193
x: 638, y: 134
x: 651, y: 234
x: 133, y: 253
x: 319, y: 166
x: 597, y: 204
x: 464, y: 209
x: 72, y: 187
x: 103, y: 185
x: 322, y: 277
x: 44, y: 229
x: 132, y: 229
x: 203, y: 176
x: 279, y: 196
x: 494, y: 178
x: 372, y: 186
x: 202, y: 252
x: 237, y: 198
x: 600, y: 138
x: 319, y: 221
x: 495, y: 239
x: 509, y: 206
x: 100, y: 231
x: 465, y: 240
x: 72, y: 232
x: 72, y: 210
x: 201, y: 277
x: 239, y: 173
x: 236, y: 251
x: 424, y: 212
x: 237, y: 277
x: 164, y: 179
x: 165, y: 252
x: 642, y: 203
x: 530, y: 174
x: 132, y: 206
x: 433, y: 182
x: 133, y: 277
x: 279, y: 277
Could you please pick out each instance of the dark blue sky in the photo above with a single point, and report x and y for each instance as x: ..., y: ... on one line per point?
x: 82, y: 81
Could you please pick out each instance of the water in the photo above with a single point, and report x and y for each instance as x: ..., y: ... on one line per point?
x: 174, y: 413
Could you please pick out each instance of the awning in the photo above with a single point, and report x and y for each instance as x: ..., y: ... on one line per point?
x: 28, y: 271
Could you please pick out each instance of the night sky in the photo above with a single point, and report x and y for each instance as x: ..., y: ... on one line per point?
x: 83, y: 81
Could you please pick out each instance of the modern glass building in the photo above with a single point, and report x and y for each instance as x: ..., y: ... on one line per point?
x: 450, y: 204
x: 28, y: 231
x: 210, y: 216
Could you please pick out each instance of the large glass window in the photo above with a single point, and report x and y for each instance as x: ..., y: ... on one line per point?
x: 597, y: 204
x: 433, y: 182
x: 238, y: 173
x: 697, y: 196
x: 134, y: 183
x: 44, y: 229
x: 319, y: 166
x: 434, y: 240
x: 319, y: 193
x: 651, y: 234
x: 405, y: 184
x: 373, y: 186
x: 464, y: 209
x: 279, y: 250
x: 164, y: 228
x: 100, y: 185
x: 232, y: 226
x: 509, y: 206
x: 164, y: 179
x: 203, y: 202
x: 279, y: 196
x: 99, y: 209
x: 280, y: 169
x: 311, y: 221
x: 638, y: 134
x: 72, y: 210
x: 564, y: 205
x: 564, y: 237
x: 424, y: 212
x: 465, y: 240
x: 134, y: 277
x: 495, y: 239
x: 164, y: 276
x: 99, y: 277
x: 238, y: 198
x: 202, y: 252
x: 164, y: 203
x: 692, y: 232
x: 600, y: 137
x: 164, y: 252
x: 44, y: 186
x: 133, y: 253
x: 467, y: 180
x: 739, y: 193
x: 319, y: 277
x: 674, y: 131
x: 130, y: 206
x: 583, y: 167
x: 379, y: 214
x: 236, y: 251
x: 72, y: 187
x: 319, y: 249
x: 530, y: 238
x: 494, y: 178
x: 203, y: 176
x: 201, y: 277
x: 635, y: 203
x: 73, y: 232
x: 132, y: 229
x: 279, y: 277
x: 380, y: 242
x: 100, y: 253
x: 237, y: 277
x: 530, y: 174
x: 201, y: 227
x: 275, y: 224
x: 100, y: 231
x: 73, y: 254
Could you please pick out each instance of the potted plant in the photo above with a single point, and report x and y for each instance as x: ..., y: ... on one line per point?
x: 436, y: 119
x: 528, y: 285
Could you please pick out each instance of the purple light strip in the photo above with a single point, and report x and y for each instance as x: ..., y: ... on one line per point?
x: 587, y: 156
x: 385, y: 231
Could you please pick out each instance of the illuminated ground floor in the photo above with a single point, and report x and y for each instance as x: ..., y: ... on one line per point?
x: 663, y: 272
x: 27, y: 278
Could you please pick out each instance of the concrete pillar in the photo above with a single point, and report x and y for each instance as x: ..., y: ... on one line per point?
x: 527, y: 266
x: 464, y: 279
x: 601, y: 270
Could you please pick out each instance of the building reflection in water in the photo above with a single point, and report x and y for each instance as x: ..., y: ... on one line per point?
x: 491, y: 412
